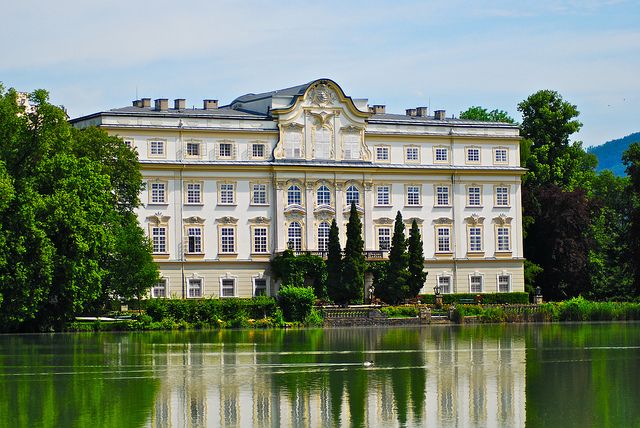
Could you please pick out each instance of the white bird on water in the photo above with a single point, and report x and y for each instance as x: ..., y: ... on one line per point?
x: 368, y: 363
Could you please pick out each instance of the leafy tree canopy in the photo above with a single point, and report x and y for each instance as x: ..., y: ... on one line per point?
x: 481, y: 113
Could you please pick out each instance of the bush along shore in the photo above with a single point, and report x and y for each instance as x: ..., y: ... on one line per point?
x: 295, y: 308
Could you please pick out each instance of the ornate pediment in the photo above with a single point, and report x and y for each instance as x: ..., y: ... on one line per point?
x: 474, y: 219
x: 259, y: 220
x: 322, y: 95
x: 193, y: 220
x: 158, y: 218
x: 502, y: 219
x: 227, y: 220
x: 409, y: 220
x: 383, y: 220
x: 443, y: 220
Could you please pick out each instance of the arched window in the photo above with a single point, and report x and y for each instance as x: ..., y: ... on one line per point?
x: 294, y: 195
x: 324, y: 195
x: 353, y: 195
x: 295, y: 236
x: 323, y: 236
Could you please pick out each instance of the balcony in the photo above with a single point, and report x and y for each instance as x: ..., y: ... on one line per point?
x: 368, y: 254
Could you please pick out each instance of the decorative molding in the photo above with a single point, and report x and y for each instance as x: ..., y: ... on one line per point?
x: 368, y: 185
x: 158, y: 218
x: 260, y: 220
x: 409, y: 221
x: 347, y: 210
x: 324, y: 209
x: 227, y: 220
x: 474, y: 219
x: 443, y: 220
x: 383, y: 220
x: 351, y: 129
x: 502, y: 219
x: 193, y: 220
x: 322, y: 95
x: 295, y: 209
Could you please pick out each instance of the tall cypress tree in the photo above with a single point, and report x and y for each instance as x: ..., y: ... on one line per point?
x: 417, y: 275
x: 354, y: 263
x: 395, y: 286
x: 334, y: 264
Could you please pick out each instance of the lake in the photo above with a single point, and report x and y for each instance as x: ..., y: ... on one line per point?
x: 554, y: 375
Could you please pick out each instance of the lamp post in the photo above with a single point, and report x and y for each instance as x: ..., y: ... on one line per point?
x: 437, y: 296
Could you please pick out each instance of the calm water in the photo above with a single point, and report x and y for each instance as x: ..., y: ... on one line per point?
x: 585, y: 375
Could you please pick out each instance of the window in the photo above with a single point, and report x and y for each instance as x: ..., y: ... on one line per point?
x: 442, y: 154
x: 128, y: 142
x: 353, y: 195
x: 500, y: 156
x: 259, y: 194
x: 293, y: 144
x: 227, y: 240
x: 323, y: 195
x: 159, y: 290
x: 444, y: 282
x: 351, y: 146
x: 473, y: 196
x: 323, y: 236
x: 475, y: 284
x: 156, y: 148
x: 442, y: 196
x: 257, y: 150
x: 384, y: 238
x: 444, y: 239
x: 383, y: 195
x: 260, y: 240
x: 227, y: 193
x: 294, y: 234
x: 194, y: 191
x: 413, y: 195
x: 412, y: 154
x: 382, y: 153
x: 504, y: 283
x: 193, y: 149
x: 502, y: 196
x: 159, y: 239
x: 194, y: 240
x: 194, y: 287
x: 475, y: 238
x: 322, y: 141
x: 503, y: 239
x: 473, y: 155
x: 259, y: 287
x: 158, y: 193
x: 228, y: 287
x: 225, y: 150
x: 294, y: 195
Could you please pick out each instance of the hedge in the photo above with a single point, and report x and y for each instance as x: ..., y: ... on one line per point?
x: 487, y: 298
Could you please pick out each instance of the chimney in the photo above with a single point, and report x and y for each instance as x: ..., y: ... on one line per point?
x: 422, y: 111
x: 377, y: 109
x: 179, y: 104
x: 210, y: 104
x: 411, y: 112
x: 146, y: 102
x: 439, y: 114
x: 162, y: 104
x: 137, y: 103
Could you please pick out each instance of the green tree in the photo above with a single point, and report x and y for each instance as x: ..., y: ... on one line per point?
x: 481, y: 113
x: 354, y: 263
x: 631, y: 160
x: 334, y: 263
x: 395, y: 287
x: 416, y: 261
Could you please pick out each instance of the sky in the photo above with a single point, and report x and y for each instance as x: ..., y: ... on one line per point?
x: 446, y: 54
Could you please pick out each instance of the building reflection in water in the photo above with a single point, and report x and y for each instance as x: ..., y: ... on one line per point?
x: 430, y: 376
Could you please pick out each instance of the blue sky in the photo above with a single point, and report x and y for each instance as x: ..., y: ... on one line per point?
x: 450, y: 55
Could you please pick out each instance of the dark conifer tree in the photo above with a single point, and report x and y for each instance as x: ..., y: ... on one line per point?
x: 395, y: 286
x: 354, y: 263
x: 416, y: 261
x: 334, y: 264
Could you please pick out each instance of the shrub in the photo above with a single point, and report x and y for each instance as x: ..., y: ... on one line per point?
x: 400, y: 311
x: 314, y: 319
x: 487, y: 298
x: 296, y: 302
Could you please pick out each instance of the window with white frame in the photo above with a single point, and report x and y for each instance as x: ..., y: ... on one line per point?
x: 322, y: 141
x: 502, y: 196
x: 159, y: 289
x: 475, y: 284
x: 227, y: 193
x: 228, y: 287
x: 382, y: 153
x: 473, y: 196
x: 500, y: 155
x: 228, y: 240
x: 225, y: 150
x: 473, y: 154
x: 384, y: 238
x: 442, y: 196
x: 293, y: 145
x: 260, y: 240
x: 294, y: 235
x: 504, y: 283
x: 259, y: 287
x: 257, y: 150
x: 383, y: 195
x: 194, y: 193
x: 444, y: 283
x: 353, y: 195
x: 413, y: 195
x: 193, y: 149
x: 156, y: 148
x: 504, y: 243
x: 323, y: 236
x: 158, y: 193
x: 294, y: 195
x: 194, y: 239
x: 442, y: 154
x: 475, y: 238
x: 412, y: 154
x: 323, y: 195
x: 351, y: 143
x: 444, y: 239
x: 159, y: 239
x: 194, y: 287
x: 258, y: 194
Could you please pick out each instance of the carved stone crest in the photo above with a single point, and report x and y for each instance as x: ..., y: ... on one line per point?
x: 227, y: 220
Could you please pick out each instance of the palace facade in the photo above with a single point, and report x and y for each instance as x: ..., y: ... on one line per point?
x: 228, y: 187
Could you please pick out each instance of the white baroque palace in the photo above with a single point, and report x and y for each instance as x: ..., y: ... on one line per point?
x: 228, y: 187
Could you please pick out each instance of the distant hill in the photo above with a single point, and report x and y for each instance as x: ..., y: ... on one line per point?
x: 609, y: 154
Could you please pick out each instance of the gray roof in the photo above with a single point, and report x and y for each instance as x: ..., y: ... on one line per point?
x: 292, y: 91
x: 431, y: 120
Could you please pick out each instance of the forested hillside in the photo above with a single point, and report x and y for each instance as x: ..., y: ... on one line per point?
x: 609, y: 154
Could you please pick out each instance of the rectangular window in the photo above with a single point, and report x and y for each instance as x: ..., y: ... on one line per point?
x: 225, y: 150
x: 194, y: 287
x: 128, y: 143
x: 227, y: 240
x: 444, y: 282
x: 383, y: 195
x: 159, y: 239
x: 475, y: 239
x: 442, y: 154
x: 158, y: 193
x: 413, y: 195
x: 159, y: 290
x: 444, y: 240
x: 228, y: 287
x: 259, y: 239
x: 503, y: 239
x: 194, y: 193
x: 504, y: 283
x: 227, y: 194
x: 502, y: 196
x: 475, y: 284
x: 194, y: 236
x: 351, y: 143
x: 473, y: 196
x: 412, y: 154
x: 259, y: 194
x: 157, y: 148
x: 259, y: 287
x: 257, y: 150
x: 384, y: 238
x: 382, y: 153
x: 442, y: 196
x: 473, y: 155
x: 193, y: 149
x: 501, y: 156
